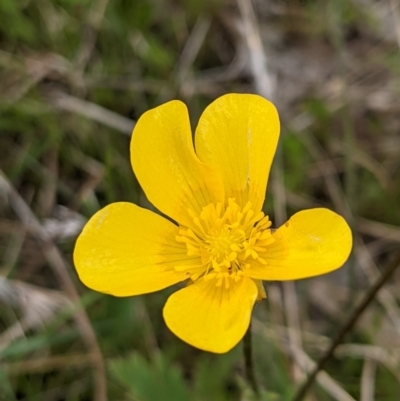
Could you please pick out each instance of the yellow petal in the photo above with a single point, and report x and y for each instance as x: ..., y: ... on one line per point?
x: 239, y: 134
x: 210, y: 317
x: 310, y: 243
x: 166, y: 166
x: 125, y: 250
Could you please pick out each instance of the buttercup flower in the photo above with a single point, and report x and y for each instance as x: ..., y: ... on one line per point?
x: 220, y: 242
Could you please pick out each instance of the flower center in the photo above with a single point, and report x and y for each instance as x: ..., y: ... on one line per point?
x: 226, y: 238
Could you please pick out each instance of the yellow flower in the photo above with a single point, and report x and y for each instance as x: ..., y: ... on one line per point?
x: 220, y: 241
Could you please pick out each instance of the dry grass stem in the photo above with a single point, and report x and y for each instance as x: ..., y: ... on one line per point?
x: 368, y: 380
x: 396, y: 19
x: 331, y: 386
x: 62, y: 272
x: 190, y: 52
x: 377, y: 229
x: 95, y: 18
x: 385, y: 297
x: 49, y: 364
x: 93, y: 112
x: 347, y: 326
x: 38, y: 306
x: 263, y: 79
x: 281, y: 339
x: 390, y: 358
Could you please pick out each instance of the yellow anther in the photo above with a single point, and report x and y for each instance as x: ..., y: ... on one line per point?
x: 235, y: 247
x: 247, y: 253
x: 215, y: 265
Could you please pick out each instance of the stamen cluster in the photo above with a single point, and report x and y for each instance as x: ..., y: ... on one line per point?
x: 225, y: 238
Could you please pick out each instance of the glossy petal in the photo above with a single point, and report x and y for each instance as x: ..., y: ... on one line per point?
x: 166, y: 166
x: 239, y: 134
x: 209, y: 317
x: 125, y: 250
x: 312, y: 242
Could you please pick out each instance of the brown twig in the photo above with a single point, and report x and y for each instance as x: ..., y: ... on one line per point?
x: 330, y: 385
x: 279, y: 335
x: 385, y: 297
x: 347, y: 326
x: 61, y: 270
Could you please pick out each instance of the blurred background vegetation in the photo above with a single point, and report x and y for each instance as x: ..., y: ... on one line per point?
x: 76, y: 74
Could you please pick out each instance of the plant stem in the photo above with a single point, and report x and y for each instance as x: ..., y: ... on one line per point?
x: 248, y: 360
x: 368, y: 298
